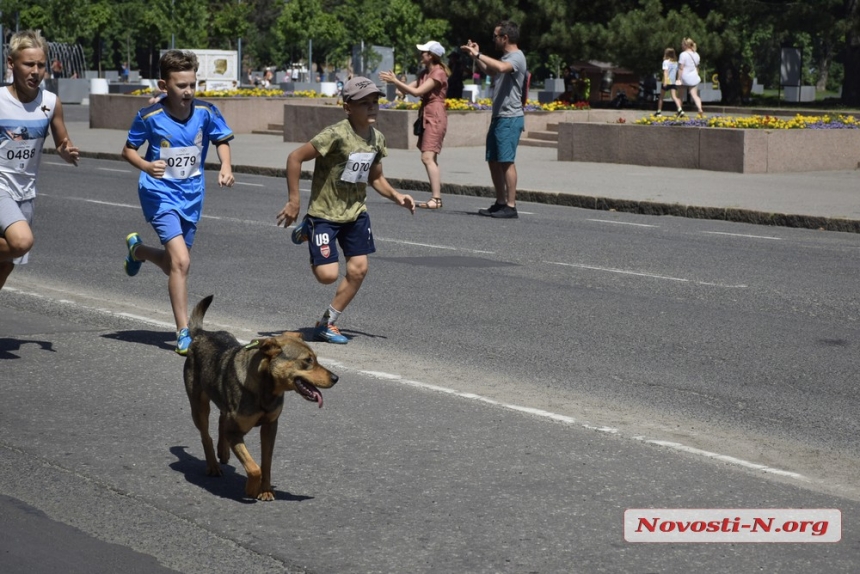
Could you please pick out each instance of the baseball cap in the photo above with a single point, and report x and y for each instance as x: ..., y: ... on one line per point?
x: 433, y: 47
x: 358, y: 87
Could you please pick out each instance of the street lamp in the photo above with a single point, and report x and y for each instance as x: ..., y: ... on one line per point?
x: 239, y: 46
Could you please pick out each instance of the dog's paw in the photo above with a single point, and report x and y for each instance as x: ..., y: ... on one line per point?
x: 266, y: 496
x: 214, y: 470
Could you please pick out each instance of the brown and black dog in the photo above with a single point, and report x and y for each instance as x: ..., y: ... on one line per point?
x: 247, y: 383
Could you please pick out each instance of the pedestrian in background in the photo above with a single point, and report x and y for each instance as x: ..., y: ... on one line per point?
x: 455, y: 79
x: 670, y: 76
x: 26, y: 113
x: 171, y: 187
x: 508, y: 121
x: 347, y: 158
x: 688, y: 72
x: 432, y: 88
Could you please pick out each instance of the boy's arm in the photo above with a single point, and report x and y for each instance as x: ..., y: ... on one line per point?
x: 64, y: 146
x: 153, y: 168
x: 225, y: 176
x: 291, y: 209
x: 378, y: 182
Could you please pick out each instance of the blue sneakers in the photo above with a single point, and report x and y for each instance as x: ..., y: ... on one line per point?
x: 132, y: 265
x: 300, y: 233
x: 330, y: 334
x: 183, y: 341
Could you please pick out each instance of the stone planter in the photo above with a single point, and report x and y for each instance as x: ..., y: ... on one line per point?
x: 301, y: 123
x: 243, y: 114
x: 465, y: 129
x: 716, y: 149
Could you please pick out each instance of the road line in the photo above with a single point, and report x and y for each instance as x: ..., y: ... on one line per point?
x: 722, y: 457
x: 548, y: 415
x: 743, y: 235
x: 116, y: 170
x: 433, y: 246
x: 250, y: 184
x: 648, y: 275
x: 622, y: 223
x: 571, y: 421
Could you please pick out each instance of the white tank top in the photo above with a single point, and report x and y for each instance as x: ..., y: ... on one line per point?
x: 23, y: 128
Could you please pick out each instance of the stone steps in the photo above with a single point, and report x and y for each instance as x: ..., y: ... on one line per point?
x: 547, y: 138
x: 271, y: 130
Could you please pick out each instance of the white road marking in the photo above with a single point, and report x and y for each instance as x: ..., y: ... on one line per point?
x: 116, y: 170
x: 250, y: 184
x: 722, y: 457
x: 743, y: 235
x: 622, y: 223
x: 110, y: 203
x: 433, y: 246
x: 643, y: 274
x: 397, y: 379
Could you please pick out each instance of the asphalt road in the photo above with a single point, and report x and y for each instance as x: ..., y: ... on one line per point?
x: 501, y: 400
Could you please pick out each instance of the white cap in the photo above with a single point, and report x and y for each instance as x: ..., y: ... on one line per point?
x: 433, y: 47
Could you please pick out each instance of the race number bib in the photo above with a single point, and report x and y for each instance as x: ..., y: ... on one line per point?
x: 18, y: 154
x: 357, y: 167
x: 182, y: 162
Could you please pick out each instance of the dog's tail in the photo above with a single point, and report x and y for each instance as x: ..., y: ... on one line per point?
x: 196, y: 323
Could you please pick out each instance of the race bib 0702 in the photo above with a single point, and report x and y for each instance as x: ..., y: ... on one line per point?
x: 182, y: 162
x: 357, y: 167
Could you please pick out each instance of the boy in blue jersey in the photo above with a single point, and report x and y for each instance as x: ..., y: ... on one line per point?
x: 178, y: 129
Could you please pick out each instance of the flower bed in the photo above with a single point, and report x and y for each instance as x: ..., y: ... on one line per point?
x: 759, y: 144
x: 767, y: 122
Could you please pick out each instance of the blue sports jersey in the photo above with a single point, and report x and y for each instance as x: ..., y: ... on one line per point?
x: 183, y: 146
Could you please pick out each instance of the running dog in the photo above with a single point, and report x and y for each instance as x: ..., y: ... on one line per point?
x: 247, y: 383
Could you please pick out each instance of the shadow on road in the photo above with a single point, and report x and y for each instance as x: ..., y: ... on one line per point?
x: 230, y: 486
x: 9, y: 346
x: 161, y: 339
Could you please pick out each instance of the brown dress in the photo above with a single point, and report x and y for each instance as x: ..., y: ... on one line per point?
x: 435, y: 116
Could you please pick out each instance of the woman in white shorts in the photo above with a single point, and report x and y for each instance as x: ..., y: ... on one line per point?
x: 688, y: 72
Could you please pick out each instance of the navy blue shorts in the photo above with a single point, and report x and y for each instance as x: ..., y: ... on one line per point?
x: 354, y: 237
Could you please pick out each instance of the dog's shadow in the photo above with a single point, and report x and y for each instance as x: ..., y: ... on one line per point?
x: 161, y: 339
x: 231, y: 485
x: 9, y: 346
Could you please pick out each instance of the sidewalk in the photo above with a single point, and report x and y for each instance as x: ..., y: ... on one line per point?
x: 828, y: 200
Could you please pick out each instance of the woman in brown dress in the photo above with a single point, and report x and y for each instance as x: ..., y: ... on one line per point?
x: 431, y: 87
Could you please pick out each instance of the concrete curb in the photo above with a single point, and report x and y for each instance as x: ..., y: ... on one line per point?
x: 596, y: 203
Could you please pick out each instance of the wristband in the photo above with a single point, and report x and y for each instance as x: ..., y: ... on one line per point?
x: 478, y: 56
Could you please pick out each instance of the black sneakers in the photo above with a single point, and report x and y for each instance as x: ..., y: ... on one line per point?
x: 499, y: 211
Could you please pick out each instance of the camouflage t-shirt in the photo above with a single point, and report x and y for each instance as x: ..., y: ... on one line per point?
x: 339, y: 186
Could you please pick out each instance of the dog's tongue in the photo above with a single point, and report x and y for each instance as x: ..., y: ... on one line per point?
x: 318, y: 397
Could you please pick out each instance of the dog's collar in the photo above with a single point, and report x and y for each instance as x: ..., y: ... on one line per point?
x: 253, y: 344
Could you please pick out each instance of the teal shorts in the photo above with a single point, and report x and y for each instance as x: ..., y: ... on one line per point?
x: 503, y: 138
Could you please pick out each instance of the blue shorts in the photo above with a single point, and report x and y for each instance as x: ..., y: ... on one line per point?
x: 354, y: 237
x: 503, y: 138
x: 170, y: 224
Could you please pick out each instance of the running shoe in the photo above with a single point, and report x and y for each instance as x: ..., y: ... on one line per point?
x: 330, y: 334
x: 300, y: 232
x: 183, y: 341
x: 132, y: 265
